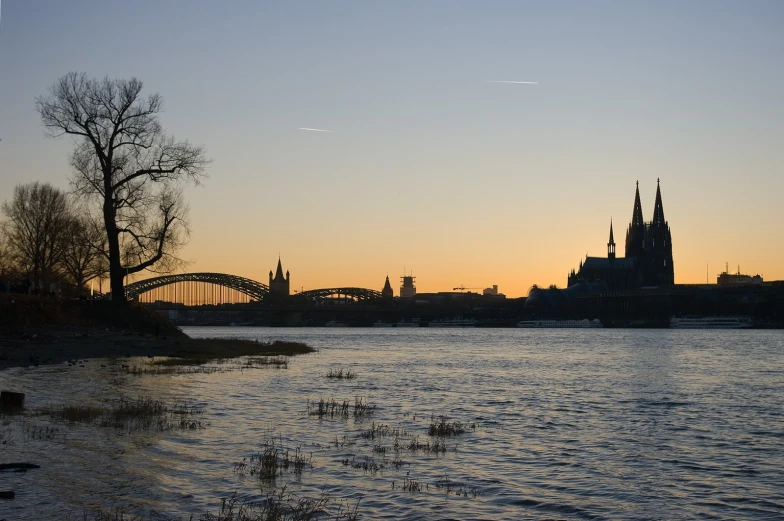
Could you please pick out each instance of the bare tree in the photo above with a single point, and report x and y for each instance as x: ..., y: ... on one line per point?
x: 128, y: 166
x: 36, y: 230
x: 7, y: 265
x: 84, y: 254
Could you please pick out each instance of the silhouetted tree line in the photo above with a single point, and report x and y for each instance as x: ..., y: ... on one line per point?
x: 48, y: 244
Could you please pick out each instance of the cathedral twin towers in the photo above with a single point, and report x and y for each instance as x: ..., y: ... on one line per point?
x: 648, y: 258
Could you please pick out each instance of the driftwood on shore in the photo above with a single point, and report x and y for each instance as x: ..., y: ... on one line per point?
x: 11, y: 401
x: 19, y: 466
x: 16, y: 467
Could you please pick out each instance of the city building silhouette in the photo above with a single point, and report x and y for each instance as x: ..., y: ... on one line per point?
x: 407, y: 288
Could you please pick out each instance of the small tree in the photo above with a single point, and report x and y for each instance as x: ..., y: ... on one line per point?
x: 125, y: 164
x: 8, y: 270
x: 37, y: 230
x: 84, y: 254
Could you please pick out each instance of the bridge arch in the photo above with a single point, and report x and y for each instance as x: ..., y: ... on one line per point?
x: 254, y: 290
x: 344, y: 295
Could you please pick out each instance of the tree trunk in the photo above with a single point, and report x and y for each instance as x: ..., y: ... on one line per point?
x: 117, y: 286
x: 116, y: 273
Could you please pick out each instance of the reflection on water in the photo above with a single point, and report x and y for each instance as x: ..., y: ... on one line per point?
x: 619, y: 424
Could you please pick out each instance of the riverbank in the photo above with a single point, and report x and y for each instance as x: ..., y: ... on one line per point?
x: 39, y: 330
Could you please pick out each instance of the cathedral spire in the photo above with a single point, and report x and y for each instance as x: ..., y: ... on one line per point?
x: 637, y: 220
x: 279, y: 271
x: 387, y: 291
x: 635, y: 234
x: 611, y: 244
x: 658, y: 209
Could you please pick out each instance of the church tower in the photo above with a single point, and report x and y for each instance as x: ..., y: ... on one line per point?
x: 279, y: 285
x: 658, y: 245
x: 611, y: 244
x: 387, y: 292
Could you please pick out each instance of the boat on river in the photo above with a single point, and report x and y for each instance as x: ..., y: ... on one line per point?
x: 711, y: 323
x: 381, y: 323
x: 335, y: 323
x: 453, y: 322
x: 584, y: 323
x: 414, y: 322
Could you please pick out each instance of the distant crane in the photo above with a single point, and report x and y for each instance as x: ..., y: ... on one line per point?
x: 462, y: 288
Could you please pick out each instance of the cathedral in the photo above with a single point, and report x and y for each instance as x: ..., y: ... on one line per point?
x: 648, y: 256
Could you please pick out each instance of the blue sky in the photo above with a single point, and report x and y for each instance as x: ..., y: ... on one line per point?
x: 430, y: 166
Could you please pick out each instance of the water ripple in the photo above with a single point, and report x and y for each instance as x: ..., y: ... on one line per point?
x: 561, y: 425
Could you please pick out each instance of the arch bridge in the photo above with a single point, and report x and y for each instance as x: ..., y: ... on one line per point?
x: 342, y: 296
x: 198, y: 288
x: 193, y: 289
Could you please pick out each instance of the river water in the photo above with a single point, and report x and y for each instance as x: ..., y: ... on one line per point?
x: 561, y: 424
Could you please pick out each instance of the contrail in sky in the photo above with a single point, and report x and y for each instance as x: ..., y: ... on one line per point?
x: 518, y: 82
x: 315, y: 129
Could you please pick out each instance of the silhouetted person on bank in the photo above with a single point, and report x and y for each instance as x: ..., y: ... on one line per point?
x: 157, y: 329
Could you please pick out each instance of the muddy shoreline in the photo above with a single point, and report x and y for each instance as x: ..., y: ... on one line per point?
x: 40, y: 345
x: 40, y: 330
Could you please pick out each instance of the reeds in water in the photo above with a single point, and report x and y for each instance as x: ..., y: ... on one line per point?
x: 410, y: 485
x: 334, y: 409
x: 414, y: 445
x: 39, y: 432
x: 276, y: 362
x: 328, y: 409
x: 76, y: 413
x: 381, y: 430
x: 281, y: 505
x: 441, y: 427
x: 278, y: 504
x: 447, y: 486
x: 340, y: 374
x: 362, y: 408
x: 344, y: 441
x: 175, y: 365
x: 367, y: 464
x: 142, y: 413
x: 273, y: 460
x: 174, y: 368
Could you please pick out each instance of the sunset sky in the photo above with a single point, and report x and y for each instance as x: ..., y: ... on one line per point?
x: 432, y: 164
